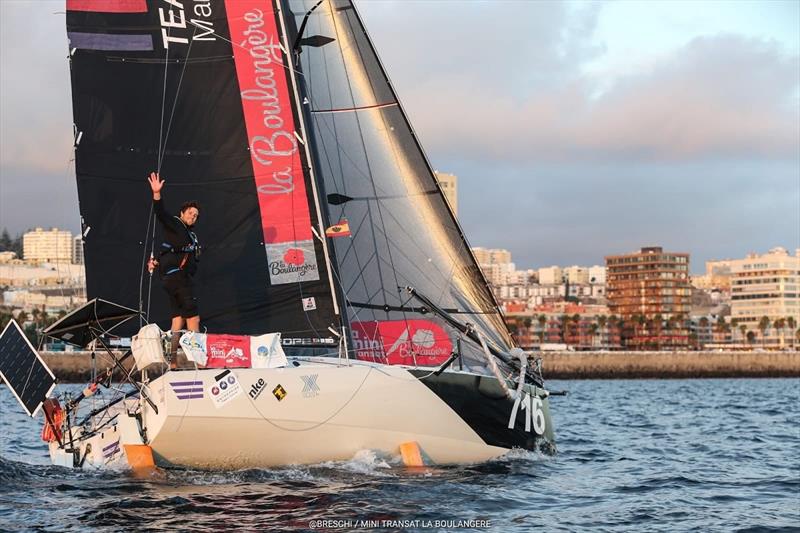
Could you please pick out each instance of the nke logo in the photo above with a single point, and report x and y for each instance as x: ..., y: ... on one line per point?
x: 257, y: 388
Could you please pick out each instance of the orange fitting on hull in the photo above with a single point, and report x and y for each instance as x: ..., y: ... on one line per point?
x: 412, y: 454
x: 140, y: 457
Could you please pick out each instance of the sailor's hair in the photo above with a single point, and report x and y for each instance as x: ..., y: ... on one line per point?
x: 187, y: 205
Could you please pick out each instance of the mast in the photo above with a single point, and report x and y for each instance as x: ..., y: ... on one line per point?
x: 298, y: 90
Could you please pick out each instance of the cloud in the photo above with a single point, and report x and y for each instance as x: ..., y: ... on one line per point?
x: 507, y: 94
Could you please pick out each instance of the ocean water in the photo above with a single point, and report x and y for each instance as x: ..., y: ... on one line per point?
x: 634, y: 455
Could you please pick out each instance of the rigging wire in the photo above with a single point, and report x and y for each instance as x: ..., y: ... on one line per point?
x: 150, y: 232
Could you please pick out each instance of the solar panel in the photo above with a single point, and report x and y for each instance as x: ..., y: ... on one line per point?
x: 96, y: 317
x: 23, y: 370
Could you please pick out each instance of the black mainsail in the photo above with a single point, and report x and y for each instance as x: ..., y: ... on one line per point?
x: 202, y: 92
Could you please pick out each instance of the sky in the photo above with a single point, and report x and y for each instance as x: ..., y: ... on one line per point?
x: 577, y: 129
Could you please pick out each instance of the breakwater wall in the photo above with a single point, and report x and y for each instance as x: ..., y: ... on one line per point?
x: 75, y: 367
x: 625, y: 365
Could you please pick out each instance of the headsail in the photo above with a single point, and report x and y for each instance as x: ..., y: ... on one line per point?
x: 376, y: 177
x: 200, y: 91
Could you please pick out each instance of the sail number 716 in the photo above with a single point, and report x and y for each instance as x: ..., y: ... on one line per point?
x: 533, y: 413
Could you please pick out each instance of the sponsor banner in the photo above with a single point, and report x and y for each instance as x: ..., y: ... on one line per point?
x: 266, y: 351
x: 224, y: 389
x: 402, y: 342
x: 194, y: 347
x: 267, y: 101
x: 187, y: 390
x: 292, y: 262
x: 228, y: 351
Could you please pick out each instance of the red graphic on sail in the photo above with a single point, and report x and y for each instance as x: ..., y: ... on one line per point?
x: 402, y: 342
x: 275, y: 144
x: 294, y: 256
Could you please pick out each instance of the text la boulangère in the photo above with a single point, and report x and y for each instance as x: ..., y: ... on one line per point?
x: 173, y: 20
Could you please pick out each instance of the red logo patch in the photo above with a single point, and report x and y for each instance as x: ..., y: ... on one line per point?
x: 294, y: 256
x: 402, y: 342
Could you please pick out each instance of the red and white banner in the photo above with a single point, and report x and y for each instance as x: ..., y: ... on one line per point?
x: 267, y: 98
x: 227, y: 351
x: 402, y: 342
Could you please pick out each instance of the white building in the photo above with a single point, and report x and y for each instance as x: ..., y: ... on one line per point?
x: 766, y: 285
x: 577, y: 274
x: 491, y: 256
x: 7, y: 257
x: 40, y: 246
x: 551, y: 275
x: 449, y: 185
x: 597, y: 275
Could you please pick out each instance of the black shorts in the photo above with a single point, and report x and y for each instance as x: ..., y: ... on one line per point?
x: 182, y: 300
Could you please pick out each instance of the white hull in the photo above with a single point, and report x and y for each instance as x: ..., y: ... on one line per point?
x: 331, y: 410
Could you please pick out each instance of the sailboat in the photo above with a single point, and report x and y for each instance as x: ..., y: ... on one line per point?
x: 325, y: 231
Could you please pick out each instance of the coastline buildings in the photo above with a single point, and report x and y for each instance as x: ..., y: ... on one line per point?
x: 449, y: 185
x: 77, y: 250
x: 50, y: 276
x: 765, y: 296
x: 649, y: 290
x: 54, y: 246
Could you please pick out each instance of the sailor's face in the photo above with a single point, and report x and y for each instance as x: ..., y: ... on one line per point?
x: 189, y: 216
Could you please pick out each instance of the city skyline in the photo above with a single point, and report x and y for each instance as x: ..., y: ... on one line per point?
x: 579, y: 130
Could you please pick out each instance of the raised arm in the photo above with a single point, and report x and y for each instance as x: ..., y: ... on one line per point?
x: 156, y: 184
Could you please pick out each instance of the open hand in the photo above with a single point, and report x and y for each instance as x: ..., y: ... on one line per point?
x: 156, y: 183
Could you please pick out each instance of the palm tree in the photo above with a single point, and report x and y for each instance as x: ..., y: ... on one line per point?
x: 791, y: 323
x: 743, y: 329
x: 779, y: 325
x: 722, y: 327
x: 576, y: 322
x: 640, y: 320
x: 593, y: 328
x: 763, y: 326
x: 564, y: 321
x: 542, y: 320
x: 602, y: 320
x: 669, y: 326
x: 526, y: 322
x: 751, y: 337
x: 719, y: 325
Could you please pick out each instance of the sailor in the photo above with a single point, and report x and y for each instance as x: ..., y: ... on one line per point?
x: 177, y: 262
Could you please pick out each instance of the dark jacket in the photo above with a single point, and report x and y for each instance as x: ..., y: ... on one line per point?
x: 179, y: 248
